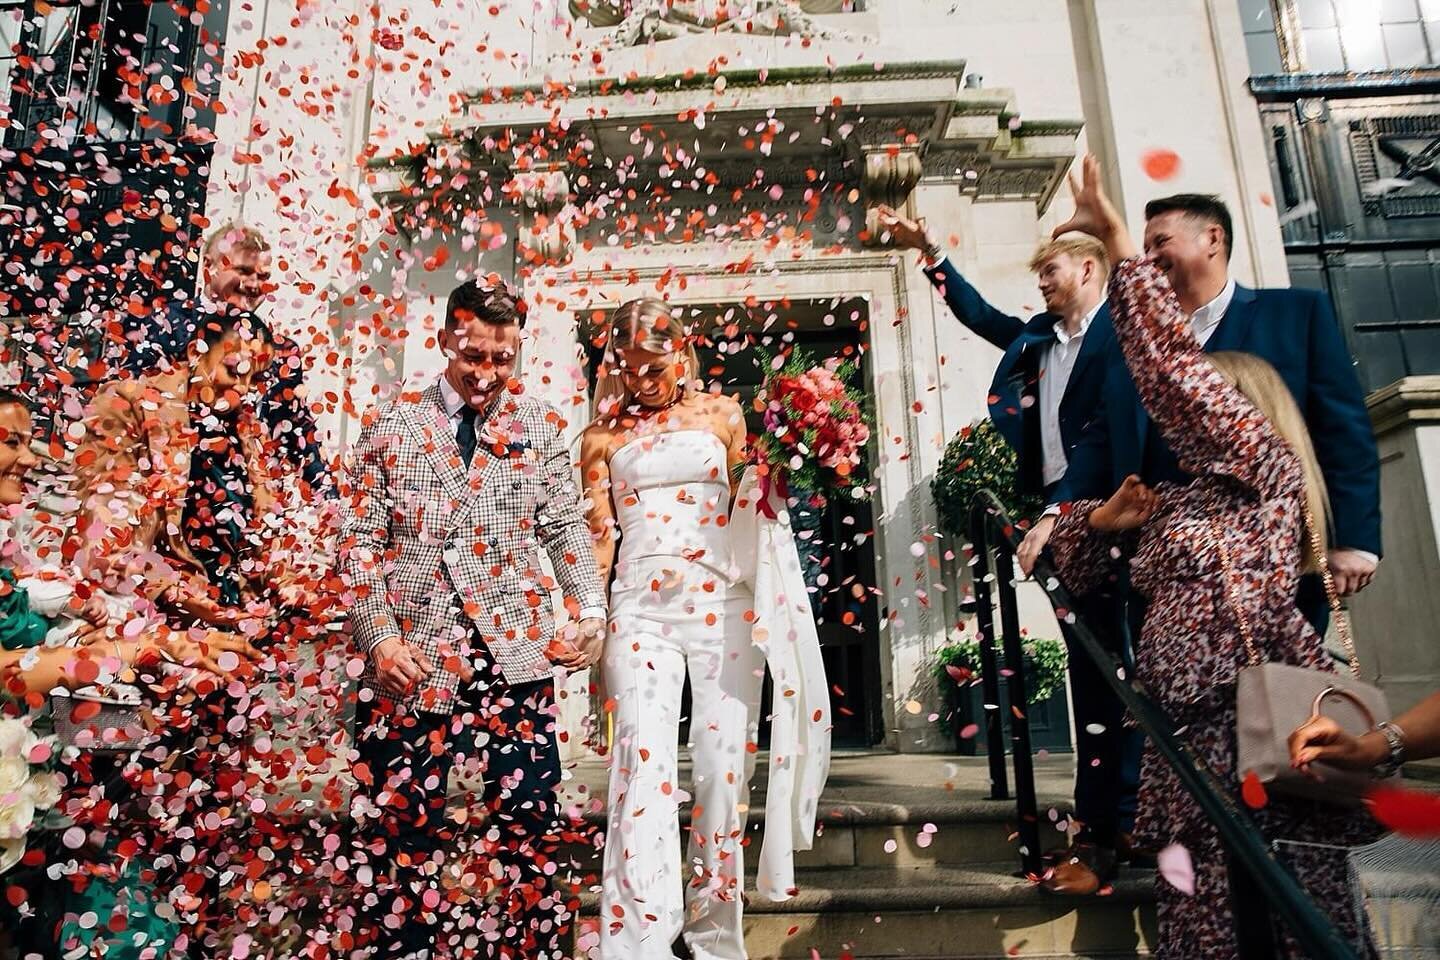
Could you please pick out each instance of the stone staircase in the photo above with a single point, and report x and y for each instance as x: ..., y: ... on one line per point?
x: 912, y: 861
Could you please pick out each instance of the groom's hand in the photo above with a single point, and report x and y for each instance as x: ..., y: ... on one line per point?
x: 578, y: 646
x: 400, y: 666
x: 591, y: 642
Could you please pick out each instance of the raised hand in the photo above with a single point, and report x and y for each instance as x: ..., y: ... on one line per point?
x: 1129, y: 507
x: 1095, y: 214
x: 908, y: 234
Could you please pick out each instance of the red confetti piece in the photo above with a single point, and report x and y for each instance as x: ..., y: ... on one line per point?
x: 1411, y: 813
x: 1252, y: 791
x: 1160, y: 164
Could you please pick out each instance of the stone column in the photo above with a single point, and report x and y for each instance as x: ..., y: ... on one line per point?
x: 1171, y: 77
x: 1394, y: 618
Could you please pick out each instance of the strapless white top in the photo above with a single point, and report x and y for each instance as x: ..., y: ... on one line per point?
x: 672, y: 499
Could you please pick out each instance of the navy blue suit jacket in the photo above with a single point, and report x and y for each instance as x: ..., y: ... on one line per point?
x: 1018, y: 374
x: 1296, y: 332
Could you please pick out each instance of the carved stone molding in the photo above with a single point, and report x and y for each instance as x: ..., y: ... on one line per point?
x: 544, y: 197
x: 891, y: 174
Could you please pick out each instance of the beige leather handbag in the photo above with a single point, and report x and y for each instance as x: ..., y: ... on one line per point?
x: 1273, y: 699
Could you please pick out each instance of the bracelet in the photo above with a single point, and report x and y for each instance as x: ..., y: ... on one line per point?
x: 1395, y: 737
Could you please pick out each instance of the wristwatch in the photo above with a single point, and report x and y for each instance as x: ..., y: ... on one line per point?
x: 1395, y: 737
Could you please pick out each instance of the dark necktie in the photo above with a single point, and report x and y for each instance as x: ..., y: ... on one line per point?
x: 465, y: 435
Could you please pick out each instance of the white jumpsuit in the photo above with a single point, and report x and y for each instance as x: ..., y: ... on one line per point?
x: 676, y: 605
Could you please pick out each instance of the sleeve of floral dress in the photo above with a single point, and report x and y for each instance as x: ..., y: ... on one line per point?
x: 1086, y: 558
x: 1210, y: 425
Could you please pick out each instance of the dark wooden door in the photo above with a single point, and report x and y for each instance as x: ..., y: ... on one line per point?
x: 732, y: 347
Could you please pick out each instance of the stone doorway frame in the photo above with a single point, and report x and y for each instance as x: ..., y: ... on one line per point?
x: 904, y: 514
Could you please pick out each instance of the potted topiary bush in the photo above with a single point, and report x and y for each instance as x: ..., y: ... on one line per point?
x: 962, y: 699
x: 978, y: 458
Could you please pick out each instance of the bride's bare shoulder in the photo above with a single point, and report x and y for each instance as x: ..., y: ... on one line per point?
x: 598, y: 437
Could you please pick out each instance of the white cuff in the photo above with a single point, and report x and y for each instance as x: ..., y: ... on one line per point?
x: 1361, y: 553
x: 593, y: 613
x: 1051, y: 510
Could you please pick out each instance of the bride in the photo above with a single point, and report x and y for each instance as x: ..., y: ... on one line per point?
x: 660, y: 465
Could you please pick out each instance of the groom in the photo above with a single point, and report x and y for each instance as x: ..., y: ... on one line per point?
x: 452, y: 496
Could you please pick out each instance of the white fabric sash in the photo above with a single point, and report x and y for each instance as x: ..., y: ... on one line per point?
x: 764, y: 551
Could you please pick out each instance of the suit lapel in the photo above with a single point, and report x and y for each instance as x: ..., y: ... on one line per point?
x: 1231, y: 334
x: 1234, y: 329
x: 1092, y: 349
x: 430, y: 426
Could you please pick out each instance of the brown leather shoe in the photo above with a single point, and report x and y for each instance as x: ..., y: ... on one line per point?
x: 1088, y: 869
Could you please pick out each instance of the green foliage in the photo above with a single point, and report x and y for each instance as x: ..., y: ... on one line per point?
x: 1045, y: 664
x: 978, y: 458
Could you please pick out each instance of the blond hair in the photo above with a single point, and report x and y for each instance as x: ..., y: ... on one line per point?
x: 1262, y: 386
x: 241, y: 237
x: 645, y: 324
x: 1081, y: 246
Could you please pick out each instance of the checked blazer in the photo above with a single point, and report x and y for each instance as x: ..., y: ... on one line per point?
x: 444, y: 557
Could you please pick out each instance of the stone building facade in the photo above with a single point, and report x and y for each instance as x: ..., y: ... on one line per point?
x: 732, y: 165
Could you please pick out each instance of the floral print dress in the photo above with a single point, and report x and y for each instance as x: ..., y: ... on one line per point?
x: 1248, y: 488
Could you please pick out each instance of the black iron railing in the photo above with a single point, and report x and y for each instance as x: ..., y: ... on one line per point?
x: 994, y: 539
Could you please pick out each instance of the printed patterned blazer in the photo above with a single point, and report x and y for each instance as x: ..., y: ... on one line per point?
x: 444, y: 557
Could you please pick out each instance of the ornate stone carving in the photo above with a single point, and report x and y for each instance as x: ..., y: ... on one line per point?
x: 544, y: 198
x: 648, y: 20
x: 889, y: 179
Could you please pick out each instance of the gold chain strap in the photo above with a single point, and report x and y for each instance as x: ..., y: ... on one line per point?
x: 1342, y: 621
x: 1228, y: 569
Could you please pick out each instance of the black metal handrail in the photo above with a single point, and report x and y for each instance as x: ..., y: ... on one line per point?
x: 991, y: 529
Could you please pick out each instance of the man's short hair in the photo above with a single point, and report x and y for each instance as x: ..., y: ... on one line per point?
x: 491, y: 300
x: 1081, y: 246
x: 1205, y: 207
x: 213, y: 325
x: 241, y: 237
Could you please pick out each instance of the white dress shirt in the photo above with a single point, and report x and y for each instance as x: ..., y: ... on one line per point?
x: 1055, y: 369
x: 454, y: 406
x: 1206, y: 320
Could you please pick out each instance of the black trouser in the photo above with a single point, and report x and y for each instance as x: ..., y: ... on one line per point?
x: 510, y: 732
x: 1313, y: 604
x: 1107, y: 762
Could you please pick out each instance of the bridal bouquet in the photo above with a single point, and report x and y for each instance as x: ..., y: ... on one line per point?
x: 27, y: 787
x: 815, y: 429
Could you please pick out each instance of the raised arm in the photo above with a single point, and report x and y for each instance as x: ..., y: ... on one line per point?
x: 972, y: 309
x: 369, y: 503
x: 964, y: 301
x: 1209, y: 424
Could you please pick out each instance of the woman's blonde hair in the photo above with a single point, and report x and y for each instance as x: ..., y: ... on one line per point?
x: 1262, y: 386
x: 645, y: 324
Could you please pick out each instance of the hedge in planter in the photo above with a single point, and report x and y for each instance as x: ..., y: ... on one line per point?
x: 957, y: 677
x: 978, y: 458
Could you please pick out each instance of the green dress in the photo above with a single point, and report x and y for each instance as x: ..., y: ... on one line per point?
x: 20, y: 627
x: 118, y: 897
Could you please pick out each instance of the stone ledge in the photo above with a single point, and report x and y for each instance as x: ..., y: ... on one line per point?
x: 1409, y: 400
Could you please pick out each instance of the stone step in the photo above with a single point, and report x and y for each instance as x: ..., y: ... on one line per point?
x: 874, y: 834
x: 941, y: 913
